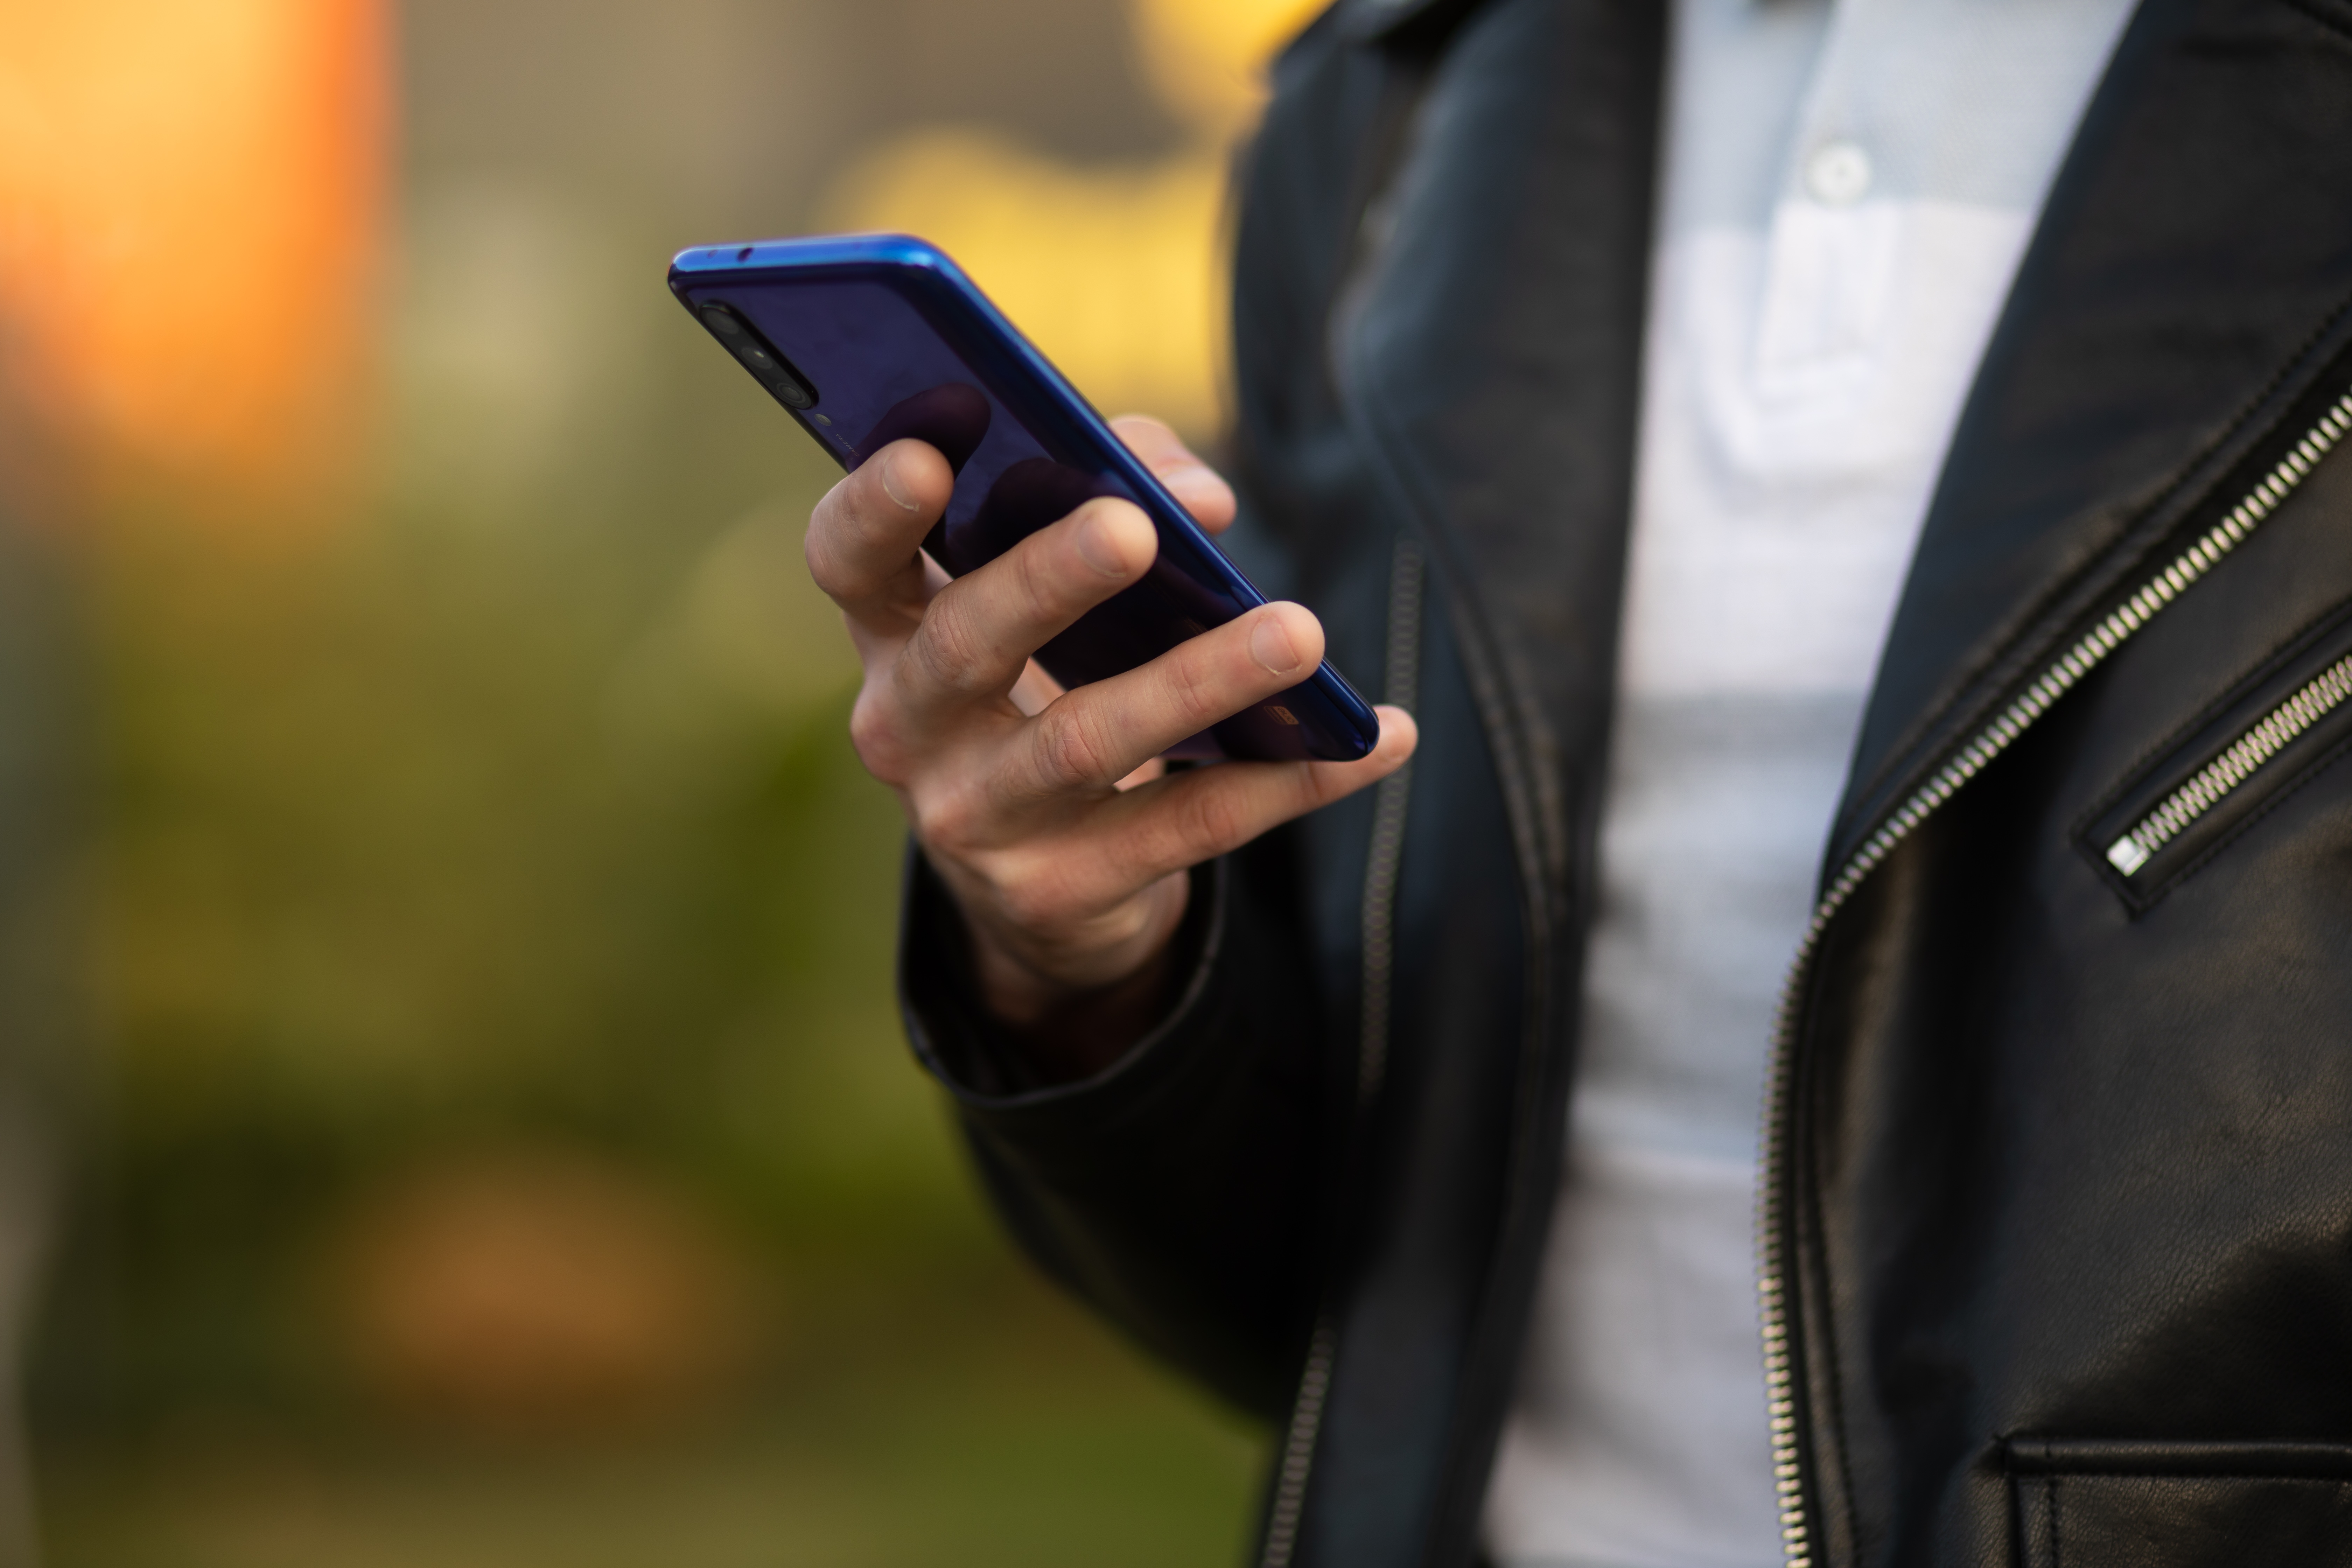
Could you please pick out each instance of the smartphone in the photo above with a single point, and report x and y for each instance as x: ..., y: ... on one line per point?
x: 869, y: 339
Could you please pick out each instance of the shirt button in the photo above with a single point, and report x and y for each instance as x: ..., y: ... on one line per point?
x: 1838, y: 173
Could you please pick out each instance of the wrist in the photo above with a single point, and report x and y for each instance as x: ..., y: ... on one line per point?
x: 1072, y: 1010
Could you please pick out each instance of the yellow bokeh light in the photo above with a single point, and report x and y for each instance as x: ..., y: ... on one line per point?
x: 1207, y: 58
x: 1113, y: 273
x: 1117, y: 274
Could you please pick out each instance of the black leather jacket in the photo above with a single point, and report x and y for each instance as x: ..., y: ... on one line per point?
x: 2058, y: 1215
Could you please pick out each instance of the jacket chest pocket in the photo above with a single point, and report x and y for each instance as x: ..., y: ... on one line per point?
x: 2215, y: 778
x: 2181, y: 1505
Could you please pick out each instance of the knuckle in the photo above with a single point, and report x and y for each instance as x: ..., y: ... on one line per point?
x: 1036, y: 895
x: 1076, y: 749
x: 1034, y: 585
x: 874, y: 733
x: 817, y: 552
x: 824, y: 517
x: 1055, y: 888
x: 950, y: 649
x: 1212, y: 821
x: 834, y: 569
x: 1193, y: 691
x: 945, y: 818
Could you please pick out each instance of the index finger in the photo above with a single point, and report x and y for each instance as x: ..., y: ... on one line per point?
x: 865, y: 538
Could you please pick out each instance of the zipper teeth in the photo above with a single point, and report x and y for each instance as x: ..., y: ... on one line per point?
x: 2225, y: 774
x: 1394, y: 792
x: 1402, y: 680
x: 1298, y: 1448
x: 1797, y: 1538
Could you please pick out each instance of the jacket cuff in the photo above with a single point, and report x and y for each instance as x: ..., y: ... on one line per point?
x: 978, y: 1061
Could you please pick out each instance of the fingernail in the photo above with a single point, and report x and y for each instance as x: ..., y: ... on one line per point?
x: 1271, y: 645
x: 893, y: 486
x: 1097, y: 550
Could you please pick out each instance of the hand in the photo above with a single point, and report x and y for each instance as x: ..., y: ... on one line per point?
x: 1045, y: 813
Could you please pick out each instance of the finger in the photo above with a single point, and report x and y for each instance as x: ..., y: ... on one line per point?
x: 1156, y: 829
x: 865, y: 538
x: 977, y: 633
x: 1132, y: 841
x: 1100, y: 732
x: 1191, y: 481
x: 890, y: 631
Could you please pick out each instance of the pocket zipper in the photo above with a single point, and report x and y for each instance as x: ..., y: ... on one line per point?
x: 2218, y: 778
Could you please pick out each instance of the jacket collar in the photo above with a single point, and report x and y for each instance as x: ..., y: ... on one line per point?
x: 2194, y: 247
x: 2177, y: 298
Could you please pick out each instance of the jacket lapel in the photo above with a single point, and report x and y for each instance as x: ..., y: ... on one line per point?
x: 1487, y: 350
x: 2193, y: 253
x: 1489, y: 357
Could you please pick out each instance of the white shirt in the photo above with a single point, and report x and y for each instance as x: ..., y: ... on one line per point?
x: 1849, y: 185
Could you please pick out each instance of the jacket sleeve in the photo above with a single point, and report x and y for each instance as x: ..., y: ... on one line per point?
x: 1174, y: 1190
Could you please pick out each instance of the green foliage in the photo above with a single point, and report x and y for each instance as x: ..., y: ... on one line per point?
x: 504, y: 801
x: 427, y: 830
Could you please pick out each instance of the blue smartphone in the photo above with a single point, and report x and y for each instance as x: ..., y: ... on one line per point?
x: 868, y: 339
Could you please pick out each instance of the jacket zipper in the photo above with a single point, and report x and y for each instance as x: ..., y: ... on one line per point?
x: 1798, y: 1539
x: 1402, y: 680
x: 2218, y: 779
x: 1400, y: 687
x: 1299, y: 1447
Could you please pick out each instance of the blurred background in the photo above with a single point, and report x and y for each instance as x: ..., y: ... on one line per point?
x: 451, y: 1109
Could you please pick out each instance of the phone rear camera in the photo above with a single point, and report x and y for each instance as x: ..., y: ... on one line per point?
x: 759, y: 356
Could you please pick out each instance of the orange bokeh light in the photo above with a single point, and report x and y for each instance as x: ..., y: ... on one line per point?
x: 192, y: 198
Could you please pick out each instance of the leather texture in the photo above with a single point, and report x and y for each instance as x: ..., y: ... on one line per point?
x: 2181, y: 1505
x: 2067, y: 1174
x: 2183, y: 1522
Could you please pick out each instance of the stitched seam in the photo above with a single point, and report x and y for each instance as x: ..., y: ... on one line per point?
x: 2344, y: 1481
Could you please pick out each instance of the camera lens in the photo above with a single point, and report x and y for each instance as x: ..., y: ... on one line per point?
x: 745, y: 342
